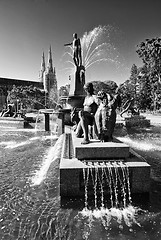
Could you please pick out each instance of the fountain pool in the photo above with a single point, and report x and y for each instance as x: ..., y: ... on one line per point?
x: 30, y: 205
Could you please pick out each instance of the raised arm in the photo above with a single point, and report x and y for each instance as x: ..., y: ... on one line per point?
x: 68, y: 44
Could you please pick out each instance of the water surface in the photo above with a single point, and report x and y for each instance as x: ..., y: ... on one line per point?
x: 30, y: 206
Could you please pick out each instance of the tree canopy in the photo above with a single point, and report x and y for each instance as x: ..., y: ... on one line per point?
x: 150, y: 53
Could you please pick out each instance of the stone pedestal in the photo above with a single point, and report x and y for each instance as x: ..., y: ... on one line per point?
x: 77, y: 94
x: 11, y: 122
x: 76, y: 157
x: 59, y: 119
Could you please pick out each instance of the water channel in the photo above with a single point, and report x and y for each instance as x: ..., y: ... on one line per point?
x: 30, y: 206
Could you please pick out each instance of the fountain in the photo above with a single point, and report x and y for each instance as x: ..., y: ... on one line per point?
x: 30, y: 191
x: 94, y: 50
x: 111, y: 165
x: 35, y: 174
x: 100, y: 156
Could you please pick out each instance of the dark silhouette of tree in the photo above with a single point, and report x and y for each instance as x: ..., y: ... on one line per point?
x: 64, y: 90
x: 150, y: 53
x: 107, y: 86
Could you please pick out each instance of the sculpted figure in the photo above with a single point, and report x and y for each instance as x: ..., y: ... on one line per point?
x: 9, y: 112
x: 86, y: 115
x: 102, y: 116
x: 129, y: 105
x: 77, y: 55
x: 13, y: 99
x: 114, y: 103
x: 105, y: 116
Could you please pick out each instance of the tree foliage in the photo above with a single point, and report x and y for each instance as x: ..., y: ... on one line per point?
x: 107, y: 86
x: 64, y: 90
x: 144, y: 83
x: 150, y: 53
x: 30, y: 96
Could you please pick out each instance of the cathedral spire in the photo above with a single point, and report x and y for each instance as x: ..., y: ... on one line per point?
x: 50, y: 62
x: 43, y: 62
x: 43, y: 68
x: 48, y: 74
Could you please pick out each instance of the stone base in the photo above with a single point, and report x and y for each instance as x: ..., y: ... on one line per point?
x: 11, y: 122
x: 77, y: 158
x: 97, y: 150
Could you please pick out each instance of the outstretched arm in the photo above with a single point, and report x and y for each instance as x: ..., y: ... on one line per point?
x: 68, y: 44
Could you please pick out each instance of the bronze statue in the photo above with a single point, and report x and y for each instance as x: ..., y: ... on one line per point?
x: 86, y: 115
x: 13, y: 99
x: 114, y: 103
x: 105, y: 116
x: 102, y: 116
x: 9, y: 111
x: 77, y: 55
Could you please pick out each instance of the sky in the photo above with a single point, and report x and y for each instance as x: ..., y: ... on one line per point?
x: 29, y: 27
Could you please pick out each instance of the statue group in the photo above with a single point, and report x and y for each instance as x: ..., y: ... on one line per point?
x: 98, y: 116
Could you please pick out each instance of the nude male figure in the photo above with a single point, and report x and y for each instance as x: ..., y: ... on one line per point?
x: 76, y: 44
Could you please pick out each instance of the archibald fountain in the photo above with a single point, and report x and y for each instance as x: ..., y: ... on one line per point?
x: 98, y: 168
x: 102, y: 175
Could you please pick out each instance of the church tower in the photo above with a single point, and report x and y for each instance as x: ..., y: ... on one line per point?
x: 49, y: 75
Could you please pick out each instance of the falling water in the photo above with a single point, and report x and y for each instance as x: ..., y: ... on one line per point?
x: 107, y: 178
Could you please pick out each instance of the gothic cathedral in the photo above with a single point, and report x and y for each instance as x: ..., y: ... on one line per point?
x: 48, y: 75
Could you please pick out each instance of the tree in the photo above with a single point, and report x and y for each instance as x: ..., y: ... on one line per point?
x: 53, y: 98
x: 29, y: 96
x: 107, y: 86
x: 145, y: 92
x: 64, y: 90
x: 126, y: 90
x: 150, y: 52
x: 134, y: 78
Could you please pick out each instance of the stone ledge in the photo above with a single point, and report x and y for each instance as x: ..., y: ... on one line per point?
x: 99, y: 150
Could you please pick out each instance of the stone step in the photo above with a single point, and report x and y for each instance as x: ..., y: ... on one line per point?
x: 98, y: 150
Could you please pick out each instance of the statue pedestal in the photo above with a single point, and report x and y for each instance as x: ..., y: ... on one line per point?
x: 77, y: 94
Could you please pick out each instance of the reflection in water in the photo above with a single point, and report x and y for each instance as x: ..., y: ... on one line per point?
x: 33, y: 211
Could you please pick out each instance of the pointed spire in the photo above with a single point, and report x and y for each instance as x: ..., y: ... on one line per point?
x: 50, y: 62
x: 43, y: 63
x: 43, y: 68
x: 54, y: 72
